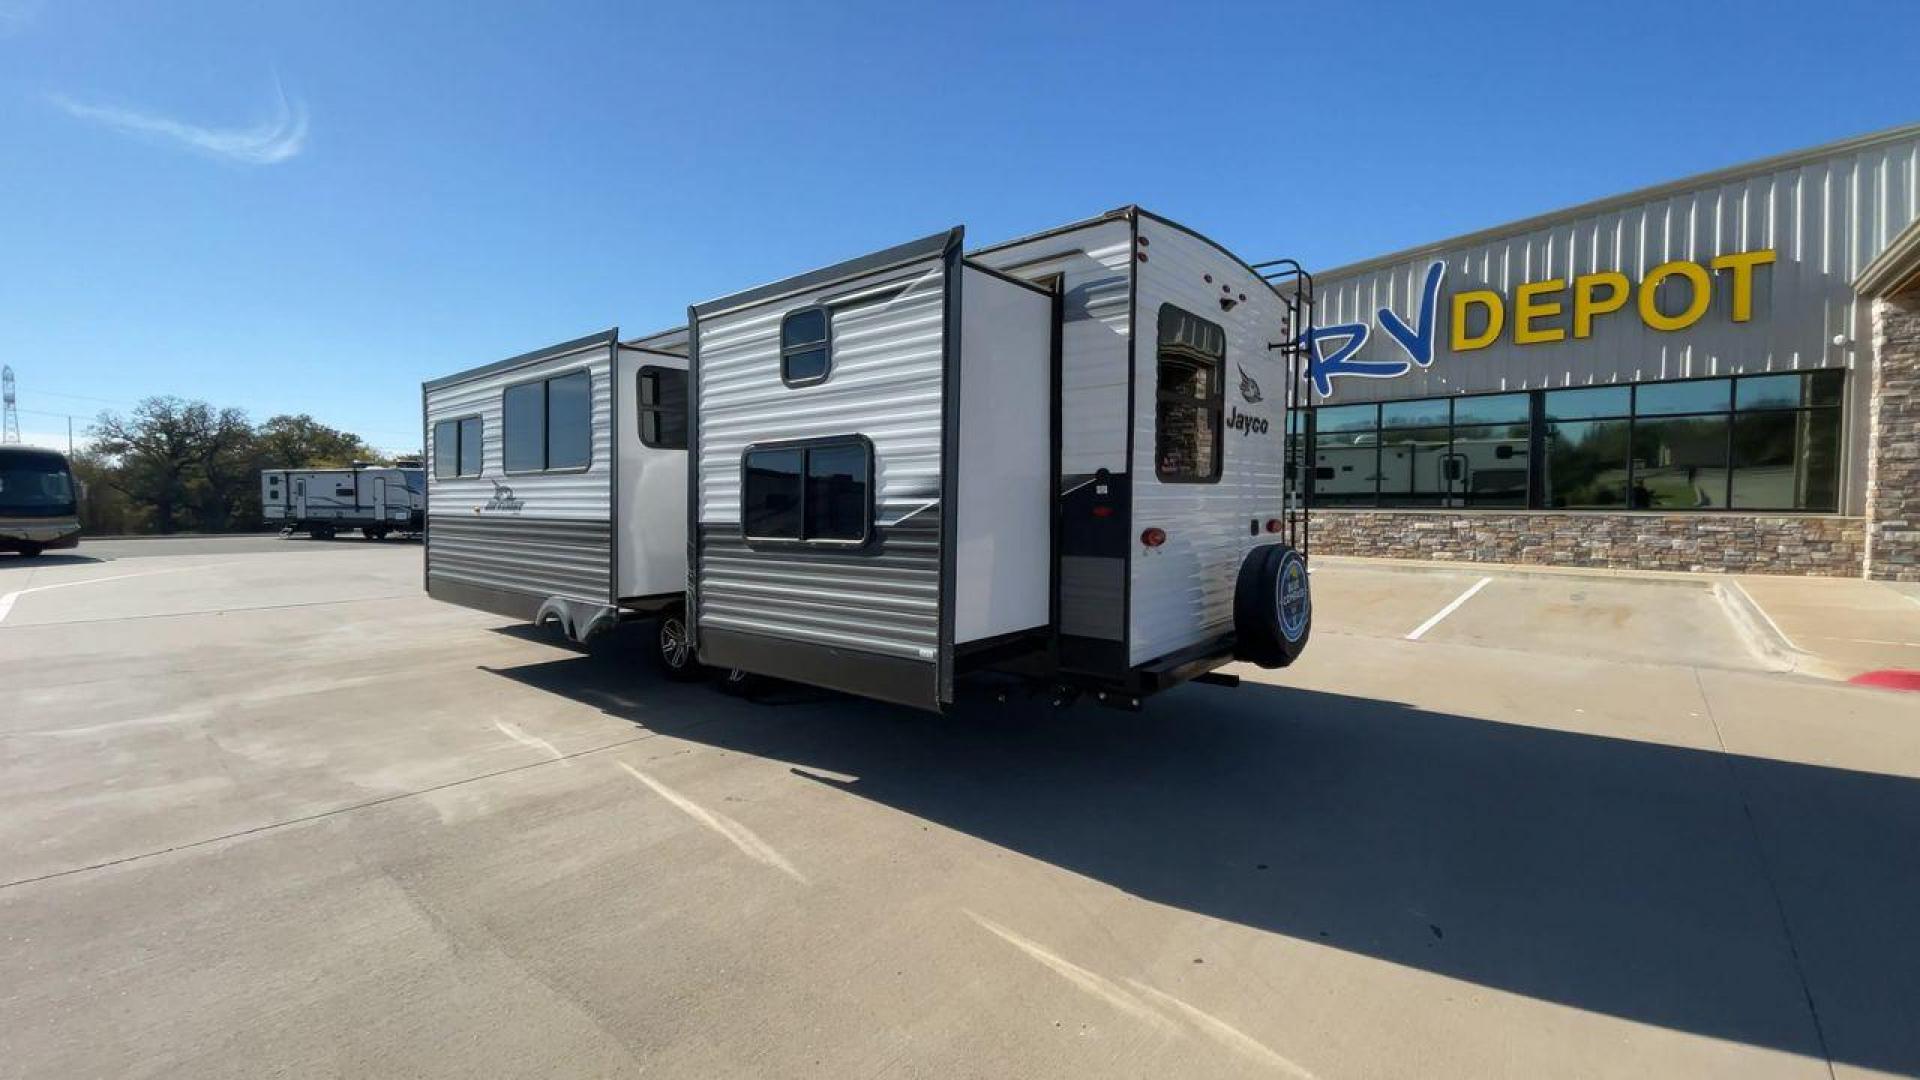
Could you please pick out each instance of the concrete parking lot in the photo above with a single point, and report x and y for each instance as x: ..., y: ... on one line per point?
x: 266, y: 809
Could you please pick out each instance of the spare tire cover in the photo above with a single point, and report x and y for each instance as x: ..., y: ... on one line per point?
x: 1272, y: 606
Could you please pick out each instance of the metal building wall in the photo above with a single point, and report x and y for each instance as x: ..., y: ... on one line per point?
x: 1827, y: 212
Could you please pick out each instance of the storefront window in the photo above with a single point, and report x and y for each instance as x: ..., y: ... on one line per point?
x: 1760, y: 442
x: 1680, y: 463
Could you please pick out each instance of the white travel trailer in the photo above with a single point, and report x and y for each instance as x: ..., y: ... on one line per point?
x: 378, y: 500
x: 1062, y: 456
x: 557, y: 486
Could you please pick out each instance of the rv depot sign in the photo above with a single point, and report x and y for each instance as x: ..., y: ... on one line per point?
x: 1534, y: 313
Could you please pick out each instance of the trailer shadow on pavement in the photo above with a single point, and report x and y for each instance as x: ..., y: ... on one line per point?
x: 1732, y: 897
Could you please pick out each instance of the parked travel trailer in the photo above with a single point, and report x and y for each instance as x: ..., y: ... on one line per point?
x: 557, y: 487
x: 39, y: 501
x: 1062, y: 457
x: 378, y: 500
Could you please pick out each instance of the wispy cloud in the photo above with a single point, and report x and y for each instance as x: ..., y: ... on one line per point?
x: 16, y: 15
x: 280, y: 137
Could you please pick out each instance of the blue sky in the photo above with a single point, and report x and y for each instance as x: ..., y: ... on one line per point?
x: 311, y: 207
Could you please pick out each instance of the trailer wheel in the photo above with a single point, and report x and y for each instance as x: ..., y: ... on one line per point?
x: 30, y: 551
x: 673, y: 647
x: 321, y: 532
x: 373, y: 532
x: 1272, y: 607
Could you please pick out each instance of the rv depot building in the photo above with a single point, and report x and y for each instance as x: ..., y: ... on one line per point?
x: 1721, y: 373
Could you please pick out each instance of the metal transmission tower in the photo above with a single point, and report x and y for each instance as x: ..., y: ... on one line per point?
x: 9, y: 412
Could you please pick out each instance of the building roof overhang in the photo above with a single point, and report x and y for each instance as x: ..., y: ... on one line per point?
x: 1895, y: 269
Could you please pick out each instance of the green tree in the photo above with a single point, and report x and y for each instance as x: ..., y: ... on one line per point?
x: 301, y: 442
x: 105, y: 509
x: 156, y: 453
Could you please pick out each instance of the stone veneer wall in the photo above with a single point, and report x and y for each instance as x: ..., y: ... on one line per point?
x: 1893, y: 448
x: 1822, y: 545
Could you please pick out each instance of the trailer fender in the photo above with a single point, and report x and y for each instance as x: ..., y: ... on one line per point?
x: 579, y: 621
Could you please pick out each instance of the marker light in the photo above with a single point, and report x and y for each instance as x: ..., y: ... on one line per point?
x: 1153, y: 537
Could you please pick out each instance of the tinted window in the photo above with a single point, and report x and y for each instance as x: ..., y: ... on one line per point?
x: 816, y: 491
x: 1345, y: 418
x: 1789, y: 391
x: 1680, y: 463
x: 446, y: 448
x: 1189, y: 408
x: 1414, y: 468
x: 1786, y: 460
x: 523, y: 424
x: 837, y: 497
x: 1587, y: 465
x: 770, y: 497
x: 472, y: 443
x: 663, y: 408
x: 34, y: 484
x: 805, y: 349
x: 1494, y: 409
x: 1667, y: 399
x: 1590, y: 402
x: 1414, y: 413
x: 570, y: 421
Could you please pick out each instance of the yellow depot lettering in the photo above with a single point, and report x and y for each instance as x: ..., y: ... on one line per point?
x: 1496, y: 319
x: 1526, y: 309
x: 1696, y: 276
x: 1586, y: 306
x: 1742, y: 266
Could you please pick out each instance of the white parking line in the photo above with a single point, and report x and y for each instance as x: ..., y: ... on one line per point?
x: 1418, y: 631
x: 735, y: 833
x: 6, y: 601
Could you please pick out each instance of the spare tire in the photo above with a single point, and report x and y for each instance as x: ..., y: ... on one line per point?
x: 1272, y: 607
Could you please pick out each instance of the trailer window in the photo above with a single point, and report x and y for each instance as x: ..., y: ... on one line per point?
x: 806, y: 346
x: 472, y: 442
x: 820, y: 492
x: 1189, y: 405
x: 456, y: 448
x: 663, y: 408
x: 548, y: 425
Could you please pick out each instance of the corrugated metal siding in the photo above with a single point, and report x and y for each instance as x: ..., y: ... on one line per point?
x: 1827, y: 218
x: 886, y: 385
x: 559, y: 541
x: 1183, y: 591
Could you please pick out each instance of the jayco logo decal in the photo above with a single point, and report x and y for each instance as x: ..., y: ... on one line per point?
x: 1249, y: 390
x: 502, y: 502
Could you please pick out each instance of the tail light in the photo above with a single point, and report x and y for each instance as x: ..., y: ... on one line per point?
x: 1274, y: 525
x: 1153, y: 537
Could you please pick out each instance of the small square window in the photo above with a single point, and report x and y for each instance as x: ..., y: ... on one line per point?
x: 806, y: 346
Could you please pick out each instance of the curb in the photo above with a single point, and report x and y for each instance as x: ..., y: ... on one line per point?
x: 1762, y: 635
x: 1669, y: 578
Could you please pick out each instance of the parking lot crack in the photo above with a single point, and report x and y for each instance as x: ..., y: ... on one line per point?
x: 1766, y: 871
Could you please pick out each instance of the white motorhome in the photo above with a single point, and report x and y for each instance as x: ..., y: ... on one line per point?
x: 378, y: 500
x: 557, y: 486
x: 1062, y: 456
